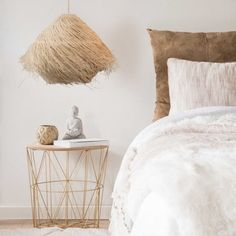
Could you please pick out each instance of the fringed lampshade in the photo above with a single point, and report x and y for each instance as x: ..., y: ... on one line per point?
x: 68, y: 52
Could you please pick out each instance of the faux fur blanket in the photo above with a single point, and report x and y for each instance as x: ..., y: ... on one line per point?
x: 178, y: 178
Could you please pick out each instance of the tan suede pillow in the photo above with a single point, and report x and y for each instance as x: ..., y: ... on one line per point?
x: 212, y: 47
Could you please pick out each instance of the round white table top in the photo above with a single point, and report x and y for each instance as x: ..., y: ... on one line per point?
x: 41, y: 147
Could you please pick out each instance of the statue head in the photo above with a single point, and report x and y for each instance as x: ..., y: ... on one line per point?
x: 75, y: 111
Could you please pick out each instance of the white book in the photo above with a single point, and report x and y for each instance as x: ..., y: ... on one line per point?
x: 81, y: 142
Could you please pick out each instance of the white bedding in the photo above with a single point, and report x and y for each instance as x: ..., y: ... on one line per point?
x: 178, y: 177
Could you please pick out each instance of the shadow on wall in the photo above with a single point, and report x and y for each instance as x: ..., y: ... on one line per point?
x: 1, y: 124
x: 91, y: 126
x: 126, y: 47
x: 114, y: 161
x: 1, y: 104
x: 115, y: 158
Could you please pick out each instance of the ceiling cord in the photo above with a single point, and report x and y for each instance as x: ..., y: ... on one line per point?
x: 68, y: 7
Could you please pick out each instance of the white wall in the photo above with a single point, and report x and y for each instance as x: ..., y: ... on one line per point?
x: 116, y: 108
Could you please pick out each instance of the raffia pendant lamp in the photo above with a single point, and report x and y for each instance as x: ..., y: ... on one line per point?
x: 68, y: 52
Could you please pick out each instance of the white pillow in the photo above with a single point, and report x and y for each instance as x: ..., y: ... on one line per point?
x: 200, y: 84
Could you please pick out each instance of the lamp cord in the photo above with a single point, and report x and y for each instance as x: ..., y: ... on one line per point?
x: 68, y: 6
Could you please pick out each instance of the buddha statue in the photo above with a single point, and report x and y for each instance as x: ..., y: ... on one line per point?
x: 74, y: 126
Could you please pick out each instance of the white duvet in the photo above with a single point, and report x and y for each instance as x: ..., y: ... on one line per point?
x: 178, y: 178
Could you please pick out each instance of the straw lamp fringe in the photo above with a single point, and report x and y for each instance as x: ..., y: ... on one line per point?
x: 68, y: 52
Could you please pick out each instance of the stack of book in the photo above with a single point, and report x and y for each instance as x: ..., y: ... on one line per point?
x: 81, y: 143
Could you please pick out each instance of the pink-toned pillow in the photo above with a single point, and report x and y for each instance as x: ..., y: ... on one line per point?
x: 200, y: 84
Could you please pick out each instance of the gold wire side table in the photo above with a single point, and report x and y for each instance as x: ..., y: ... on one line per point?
x: 66, y: 185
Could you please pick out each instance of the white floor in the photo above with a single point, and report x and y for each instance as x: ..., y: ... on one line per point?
x: 54, y: 232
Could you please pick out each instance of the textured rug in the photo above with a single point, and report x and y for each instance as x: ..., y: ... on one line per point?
x: 54, y: 232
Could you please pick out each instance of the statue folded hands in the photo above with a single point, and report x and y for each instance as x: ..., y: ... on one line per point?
x: 74, y: 126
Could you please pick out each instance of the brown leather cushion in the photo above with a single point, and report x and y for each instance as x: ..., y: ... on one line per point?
x: 212, y: 47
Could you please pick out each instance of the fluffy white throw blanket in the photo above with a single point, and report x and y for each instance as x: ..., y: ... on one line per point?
x: 178, y: 178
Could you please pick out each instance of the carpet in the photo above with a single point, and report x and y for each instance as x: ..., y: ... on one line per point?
x: 54, y: 232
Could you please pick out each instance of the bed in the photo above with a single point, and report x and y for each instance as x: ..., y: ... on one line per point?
x: 178, y: 176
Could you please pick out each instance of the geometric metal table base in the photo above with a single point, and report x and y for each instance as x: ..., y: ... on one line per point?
x: 66, y: 185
